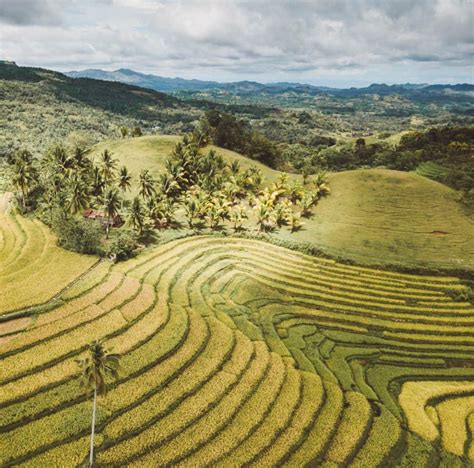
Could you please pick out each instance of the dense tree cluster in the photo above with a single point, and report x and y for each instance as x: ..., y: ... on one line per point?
x: 451, y: 147
x: 226, y: 130
x: 198, y: 188
x: 62, y: 184
x: 207, y: 191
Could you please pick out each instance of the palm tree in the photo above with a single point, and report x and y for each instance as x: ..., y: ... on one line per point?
x: 136, y: 215
x: 80, y: 159
x: 124, y: 179
x: 281, y: 212
x: 98, y: 183
x: 295, y: 221
x: 24, y: 173
x: 47, y: 203
x: 265, y: 218
x: 22, y: 179
x: 78, y: 198
x: 124, y: 131
x: 237, y: 217
x: 168, y: 186
x: 108, y: 166
x: 146, y: 185
x: 295, y: 192
x: 62, y: 159
x: 111, y: 207
x: 124, y: 182
x: 234, y: 167
x: 95, y: 368
x: 191, y: 208
x: 306, y: 203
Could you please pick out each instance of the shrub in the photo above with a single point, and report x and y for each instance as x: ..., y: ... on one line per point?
x: 122, y: 246
x: 79, y: 235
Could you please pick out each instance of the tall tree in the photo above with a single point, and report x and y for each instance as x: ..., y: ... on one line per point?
x: 136, y: 215
x: 95, y: 368
x: 124, y: 179
x: 146, y: 185
x: 24, y: 174
x: 108, y: 166
x: 78, y: 198
x: 111, y: 207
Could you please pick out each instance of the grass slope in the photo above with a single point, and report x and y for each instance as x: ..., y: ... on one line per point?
x: 372, y: 216
x: 32, y: 268
x: 237, y: 352
x: 392, y: 217
x: 150, y: 152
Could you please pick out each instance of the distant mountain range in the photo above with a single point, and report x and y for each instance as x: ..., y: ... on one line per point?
x: 243, y: 88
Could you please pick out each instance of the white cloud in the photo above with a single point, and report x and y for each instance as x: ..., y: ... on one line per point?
x: 364, y: 40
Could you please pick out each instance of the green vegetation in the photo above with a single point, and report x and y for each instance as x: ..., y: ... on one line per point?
x: 40, y: 108
x: 390, y: 217
x: 233, y: 351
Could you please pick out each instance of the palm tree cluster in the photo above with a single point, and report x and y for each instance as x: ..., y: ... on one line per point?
x: 68, y: 182
x: 284, y: 202
x: 203, y: 187
x: 209, y: 192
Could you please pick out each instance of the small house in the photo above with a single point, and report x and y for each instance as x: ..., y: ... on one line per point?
x: 100, y: 217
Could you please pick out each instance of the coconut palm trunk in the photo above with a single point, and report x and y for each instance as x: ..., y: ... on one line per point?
x: 94, y: 409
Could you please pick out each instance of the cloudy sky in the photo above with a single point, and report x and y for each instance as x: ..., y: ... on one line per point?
x: 327, y: 42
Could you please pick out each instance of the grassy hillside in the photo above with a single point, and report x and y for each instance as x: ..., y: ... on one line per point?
x: 237, y: 352
x: 371, y: 216
x: 150, y: 152
x: 392, y: 217
x: 32, y: 268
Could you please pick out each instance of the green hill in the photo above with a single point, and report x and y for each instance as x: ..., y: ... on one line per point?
x: 150, y: 152
x: 39, y: 107
x: 372, y: 216
x: 392, y: 217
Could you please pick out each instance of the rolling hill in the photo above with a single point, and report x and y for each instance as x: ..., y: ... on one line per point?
x: 41, y: 107
x: 392, y: 217
x: 28, y: 256
x: 372, y: 216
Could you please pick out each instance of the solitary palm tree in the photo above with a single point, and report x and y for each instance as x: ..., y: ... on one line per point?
x: 95, y: 368
x: 111, y: 207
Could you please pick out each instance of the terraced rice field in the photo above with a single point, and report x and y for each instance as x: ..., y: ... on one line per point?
x: 237, y: 352
x: 32, y: 268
